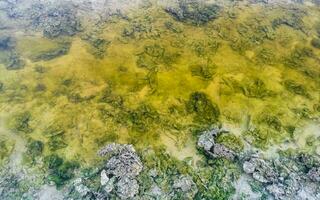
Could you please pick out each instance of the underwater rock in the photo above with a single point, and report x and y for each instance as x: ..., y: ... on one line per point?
x: 314, y: 174
x: 80, y: 188
x: 205, y: 72
x: 186, y: 185
x: 98, y: 45
x: 278, y: 192
x: 6, y: 43
x: 205, y: 110
x: 104, y: 178
x: 54, y: 53
x: 260, y: 170
x: 14, y: 62
x: 284, y: 178
x: 125, y: 165
x: 292, y: 19
x: 207, y: 142
x: 35, y: 148
x: 155, y: 191
x: 197, y: 13
x: 58, y: 20
x: 127, y: 188
x: 248, y: 167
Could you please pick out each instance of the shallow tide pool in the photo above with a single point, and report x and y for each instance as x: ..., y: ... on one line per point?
x: 177, y: 99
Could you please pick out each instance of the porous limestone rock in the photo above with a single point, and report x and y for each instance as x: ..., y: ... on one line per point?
x: 122, y: 168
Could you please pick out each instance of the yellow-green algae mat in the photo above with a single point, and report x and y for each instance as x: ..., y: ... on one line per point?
x: 155, y: 78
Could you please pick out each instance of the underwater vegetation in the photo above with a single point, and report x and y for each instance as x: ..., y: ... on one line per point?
x: 179, y: 99
x: 205, y: 111
x: 194, y: 12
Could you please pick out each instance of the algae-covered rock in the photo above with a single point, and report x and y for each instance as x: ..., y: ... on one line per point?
x: 286, y: 177
x: 204, y: 71
x: 52, y: 53
x: 35, y: 148
x: 296, y: 88
x: 21, y: 122
x: 98, y: 45
x: 60, y: 171
x: 315, y: 42
x: 56, y: 20
x: 14, y: 62
x: 185, y: 185
x: 204, y: 109
x: 195, y: 12
x: 6, y: 42
x: 255, y: 88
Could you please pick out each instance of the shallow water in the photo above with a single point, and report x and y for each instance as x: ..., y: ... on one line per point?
x: 134, y: 72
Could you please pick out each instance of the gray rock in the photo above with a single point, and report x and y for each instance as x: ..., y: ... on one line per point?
x: 127, y: 188
x: 206, y: 140
x: 248, y: 167
x: 260, y: 170
x: 155, y: 191
x: 278, y: 192
x: 104, y: 179
x: 59, y: 19
x: 123, y: 166
x: 284, y: 177
x: 207, y: 143
x: 6, y: 43
x: 186, y: 185
x: 80, y: 188
x: 314, y: 174
x: 153, y: 173
x: 110, y: 185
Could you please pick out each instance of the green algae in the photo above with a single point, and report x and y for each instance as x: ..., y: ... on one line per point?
x: 205, y: 111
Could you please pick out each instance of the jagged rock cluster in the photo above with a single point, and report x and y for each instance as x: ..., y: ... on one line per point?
x: 59, y: 20
x: 207, y: 143
x: 195, y: 12
x: 286, y: 178
x: 121, y: 170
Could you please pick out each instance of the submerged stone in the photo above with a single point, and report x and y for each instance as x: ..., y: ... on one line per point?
x: 55, y: 21
x: 314, y: 174
x: 53, y: 53
x: 207, y: 142
x: 195, y: 12
x: 125, y: 165
x: 284, y: 177
x: 6, y: 43
x: 186, y: 185
x: 204, y: 109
